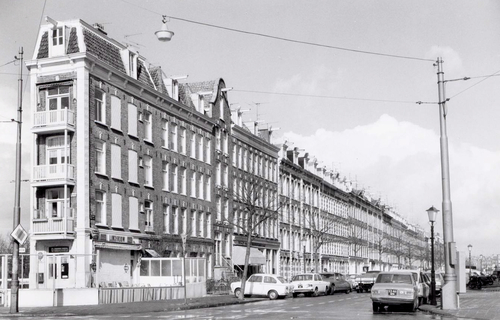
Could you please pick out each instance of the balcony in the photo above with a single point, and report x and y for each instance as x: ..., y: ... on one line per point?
x: 53, y: 121
x: 53, y: 174
x: 55, y: 227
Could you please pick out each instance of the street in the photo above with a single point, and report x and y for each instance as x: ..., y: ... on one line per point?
x: 338, y: 306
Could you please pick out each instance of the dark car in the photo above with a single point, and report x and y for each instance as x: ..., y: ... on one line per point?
x: 338, y: 282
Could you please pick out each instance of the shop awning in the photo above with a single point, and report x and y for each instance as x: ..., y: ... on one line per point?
x: 256, y: 257
x: 152, y: 253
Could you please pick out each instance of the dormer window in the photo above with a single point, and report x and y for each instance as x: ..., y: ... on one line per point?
x: 57, y: 42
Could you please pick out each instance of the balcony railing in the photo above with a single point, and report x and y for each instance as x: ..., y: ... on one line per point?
x: 54, y: 118
x: 56, y: 225
x: 54, y: 172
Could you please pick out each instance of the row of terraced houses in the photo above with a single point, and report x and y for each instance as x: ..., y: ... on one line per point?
x: 126, y: 160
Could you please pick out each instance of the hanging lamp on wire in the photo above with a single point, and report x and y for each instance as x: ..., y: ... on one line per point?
x: 164, y: 34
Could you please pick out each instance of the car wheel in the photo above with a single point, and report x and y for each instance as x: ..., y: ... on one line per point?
x: 273, y: 295
x: 376, y: 307
x: 316, y: 292
x: 332, y: 290
x: 237, y: 292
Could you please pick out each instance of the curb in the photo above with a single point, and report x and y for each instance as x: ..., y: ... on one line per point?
x: 178, y: 307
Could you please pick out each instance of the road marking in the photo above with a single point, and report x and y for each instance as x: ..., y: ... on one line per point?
x: 309, y: 305
x: 322, y: 303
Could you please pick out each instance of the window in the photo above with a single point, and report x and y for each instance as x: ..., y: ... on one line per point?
x: 148, y: 171
x: 192, y: 151
x: 175, y: 179
x: 209, y: 225
x: 100, y: 207
x: 133, y: 204
x: 200, y: 147
x: 116, y: 161
x: 217, y: 139
x: 57, y: 43
x: 132, y: 166
x: 148, y: 126
x: 225, y: 209
x: 183, y: 180
x: 55, y: 204
x: 208, y: 189
x: 165, y: 176
x: 57, y: 154
x: 184, y: 221
x: 148, y: 211
x: 208, y: 154
x: 166, y: 219
x: 164, y: 133
x: 132, y: 120
x: 183, y: 141
x: 201, y: 228
x: 193, y: 183
x: 175, y: 217
x: 116, y: 113
x: 116, y: 210
x: 173, y: 134
x: 58, y: 99
x: 201, y: 186
x: 100, y: 166
x: 221, y: 109
x: 225, y: 176
x: 100, y: 106
x: 225, y: 139
x: 218, y: 174
x: 194, y: 220
x: 218, y: 202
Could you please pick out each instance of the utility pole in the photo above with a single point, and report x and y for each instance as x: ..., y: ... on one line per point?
x: 14, y: 291
x: 449, y: 289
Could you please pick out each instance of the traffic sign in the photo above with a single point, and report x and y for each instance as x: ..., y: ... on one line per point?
x: 19, y: 234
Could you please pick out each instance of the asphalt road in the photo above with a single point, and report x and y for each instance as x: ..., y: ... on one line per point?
x: 339, y: 306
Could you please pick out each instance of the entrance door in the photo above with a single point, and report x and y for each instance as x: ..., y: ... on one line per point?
x: 58, y: 272
x: 57, y: 157
x: 55, y: 204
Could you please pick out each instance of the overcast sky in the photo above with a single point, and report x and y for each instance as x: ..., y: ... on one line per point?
x: 354, y: 111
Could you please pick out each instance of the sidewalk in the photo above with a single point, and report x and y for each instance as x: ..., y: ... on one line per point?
x: 128, y: 308
x: 477, y: 304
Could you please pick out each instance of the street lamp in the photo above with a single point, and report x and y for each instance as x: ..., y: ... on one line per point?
x: 432, y: 218
x: 470, y: 260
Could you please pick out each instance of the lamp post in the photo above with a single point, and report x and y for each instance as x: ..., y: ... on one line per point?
x: 470, y: 260
x: 432, y: 218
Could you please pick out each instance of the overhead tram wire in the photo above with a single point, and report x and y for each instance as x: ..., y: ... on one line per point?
x: 475, y: 84
x: 285, y: 39
x: 323, y: 97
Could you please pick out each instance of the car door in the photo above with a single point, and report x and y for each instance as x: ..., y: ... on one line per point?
x: 270, y: 283
x: 341, y: 282
x: 254, y: 284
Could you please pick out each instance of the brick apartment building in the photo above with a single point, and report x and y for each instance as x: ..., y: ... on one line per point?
x: 127, y: 160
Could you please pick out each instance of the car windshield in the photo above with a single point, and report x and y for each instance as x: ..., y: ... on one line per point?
x: 394, y: 278
x: 302, y: 277
x: 281, y: 279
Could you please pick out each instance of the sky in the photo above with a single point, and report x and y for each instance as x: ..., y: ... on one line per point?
x: 344, y: 88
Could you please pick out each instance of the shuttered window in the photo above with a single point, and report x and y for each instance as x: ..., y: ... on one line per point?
x: 116, y: 161
x: 132, y: 166
x: 133, y: 204
x: 132, y: 120
x: 116, y: 209
x: 116, y: 113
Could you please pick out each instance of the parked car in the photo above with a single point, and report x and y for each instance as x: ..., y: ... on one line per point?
x: 366, y: 280
x: 338, y: 282
x: 310, y: 284
x: 351, y: 278
x: 423, y: 287
x: 439, y: 281
x: 260, y: 284
x: 394, y: 289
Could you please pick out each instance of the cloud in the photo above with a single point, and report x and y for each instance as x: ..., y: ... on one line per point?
x: 400, y: 162
x: 451, y: 58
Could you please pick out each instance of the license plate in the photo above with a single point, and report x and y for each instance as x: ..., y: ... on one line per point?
x: 392, y: 292
x: 300, y: 286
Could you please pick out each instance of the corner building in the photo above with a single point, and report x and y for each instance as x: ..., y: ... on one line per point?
x: 123, y: 160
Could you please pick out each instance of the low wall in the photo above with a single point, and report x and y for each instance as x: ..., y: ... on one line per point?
x: 59, y: 297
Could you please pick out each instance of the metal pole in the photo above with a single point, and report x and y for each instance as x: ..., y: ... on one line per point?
x: 14, y: 292
x: 433, y: 272
x: 449, y: 291
x: 305, y: 259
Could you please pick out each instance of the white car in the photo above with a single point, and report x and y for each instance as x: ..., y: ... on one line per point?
x: 423, y: 288
x: 260, y: 284
x: 310, y: 284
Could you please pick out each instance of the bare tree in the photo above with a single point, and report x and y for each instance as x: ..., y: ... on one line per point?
x: 397, y: 246
x: 320, y: 230
x: 356, y: 237
x: 381, y: 243
x: 6, y: 244
x: 258, y: 206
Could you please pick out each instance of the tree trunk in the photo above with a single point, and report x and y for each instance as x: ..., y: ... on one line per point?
x: 245, y: 269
